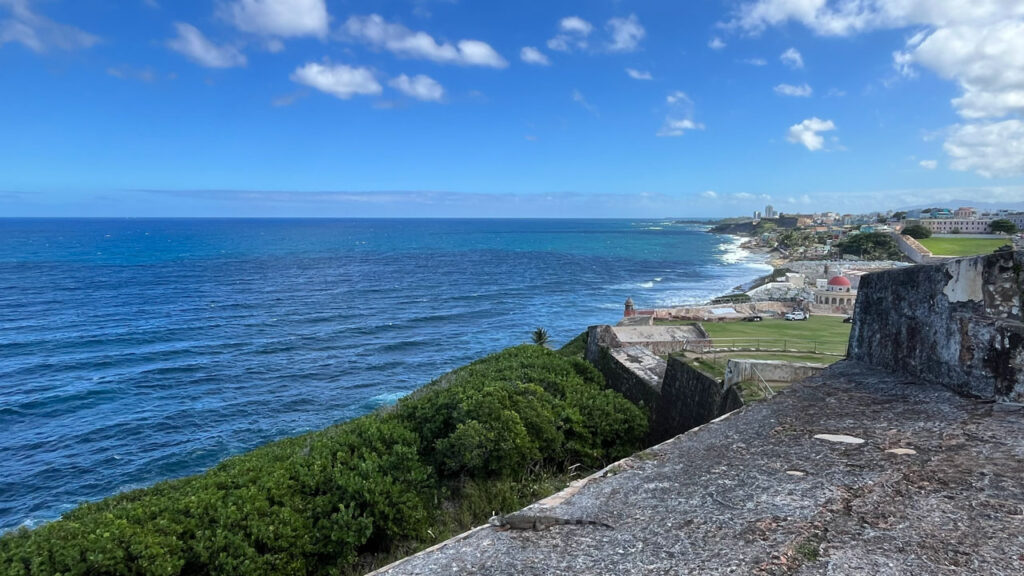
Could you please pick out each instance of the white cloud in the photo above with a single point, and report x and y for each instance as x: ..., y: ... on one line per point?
x: 679, y: 97
x: 801, y: 91
x: 848, y: 17
x: 398, y: 39
x: 792, y: 58
x: 639, y: 74
x: 978, y: 44
x: 716, y: 43
x: 337, y: 79
x: 992, y: 149
x: 575, y: 25
x: 626, y: 33
x: 709, y: 194
x: 573, y: 34
x: 286, y: 18
x: 903, y: 63
x: 679, y: 119
x: 531, y: 55
x: 38, y: 33
x: 809, y: 131
x: 678, y: 127
x: 196, y: 47
x: 987, y: 62
x: 755, y: 61
x: 929, y: 164
x: 419, y: 87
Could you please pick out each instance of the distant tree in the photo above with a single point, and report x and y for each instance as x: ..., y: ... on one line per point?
x: 918, y: 231
x: 899, y: 215
x: 1003, y: 225
x: 870, y: 246
x: 955, y: 231
x: 540, y: 337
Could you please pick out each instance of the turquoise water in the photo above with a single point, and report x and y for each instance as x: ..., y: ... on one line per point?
x: 133, y: 351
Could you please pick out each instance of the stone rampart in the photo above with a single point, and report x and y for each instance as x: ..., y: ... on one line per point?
x: 738, y: 370
x: 676, y: 396
x: 912, y: 249
x: 957, y: 323
x: 689, y: 398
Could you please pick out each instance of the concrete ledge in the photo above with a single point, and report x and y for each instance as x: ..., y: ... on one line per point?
x: 933, y: 488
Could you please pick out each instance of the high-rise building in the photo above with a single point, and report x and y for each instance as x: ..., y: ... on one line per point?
x: 769, y: 211
x: 757, y: 214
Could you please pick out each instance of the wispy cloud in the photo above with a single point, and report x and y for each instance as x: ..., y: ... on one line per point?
x: 401, y: 41
x: 38, y: 33
x: 679, y: 119
x: 801, y: 91
x: 531, y: 55
x: 792, y: 58
x: 578, y: 97
x: 626, y: 33
x: 639, y: 74
x: 191, y: 43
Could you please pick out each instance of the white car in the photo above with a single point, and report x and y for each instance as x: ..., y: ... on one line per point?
x: 796, y: 315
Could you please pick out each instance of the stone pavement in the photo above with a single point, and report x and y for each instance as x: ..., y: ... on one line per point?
x: 936, y: 487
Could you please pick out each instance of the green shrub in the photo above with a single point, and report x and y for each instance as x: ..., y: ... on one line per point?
x: 315, y: 503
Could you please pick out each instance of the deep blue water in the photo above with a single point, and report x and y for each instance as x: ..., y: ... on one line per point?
x: 132, y: 351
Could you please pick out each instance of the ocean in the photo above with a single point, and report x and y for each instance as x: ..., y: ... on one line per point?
x: 137, y: 350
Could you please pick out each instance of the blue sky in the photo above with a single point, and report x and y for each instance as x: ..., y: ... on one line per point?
x: 626, y: 108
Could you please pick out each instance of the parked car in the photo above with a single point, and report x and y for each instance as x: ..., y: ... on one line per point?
x: 754, y: 318
x: 848, y: 320
x: 796, y: 315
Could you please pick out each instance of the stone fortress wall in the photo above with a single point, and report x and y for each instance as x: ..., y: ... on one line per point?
x: 958, y: 324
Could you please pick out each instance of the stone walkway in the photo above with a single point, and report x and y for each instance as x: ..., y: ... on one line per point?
x: 935, y: 487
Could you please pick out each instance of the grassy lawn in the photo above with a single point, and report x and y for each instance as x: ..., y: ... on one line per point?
x: 829, y: 332
x: 785, y: 357
x: 962, y: 246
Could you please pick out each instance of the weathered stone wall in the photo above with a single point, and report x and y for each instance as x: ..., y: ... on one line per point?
x: 957, y: 324
x: 676, y: 396
x: 689, y: 398
x: 737, y: 371
x: 912, y: 249
x: 662, y: 340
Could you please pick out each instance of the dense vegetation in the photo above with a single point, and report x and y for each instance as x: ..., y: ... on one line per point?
x: 918, y: 231
x: 482, y: 438
x: 871, y: 246
x: 1003, y: 226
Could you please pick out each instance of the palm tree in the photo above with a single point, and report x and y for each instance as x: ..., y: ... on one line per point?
x: 540, y: 337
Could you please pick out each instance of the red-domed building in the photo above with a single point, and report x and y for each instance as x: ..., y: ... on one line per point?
x: 838, y: 295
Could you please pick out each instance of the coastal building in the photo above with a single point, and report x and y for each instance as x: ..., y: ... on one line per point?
x: 769, y: 211
x: 1017, y: 218
x: 630, y: 308
x: 954, y: 225
x: 837, y: 296
x: 965, y: 213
